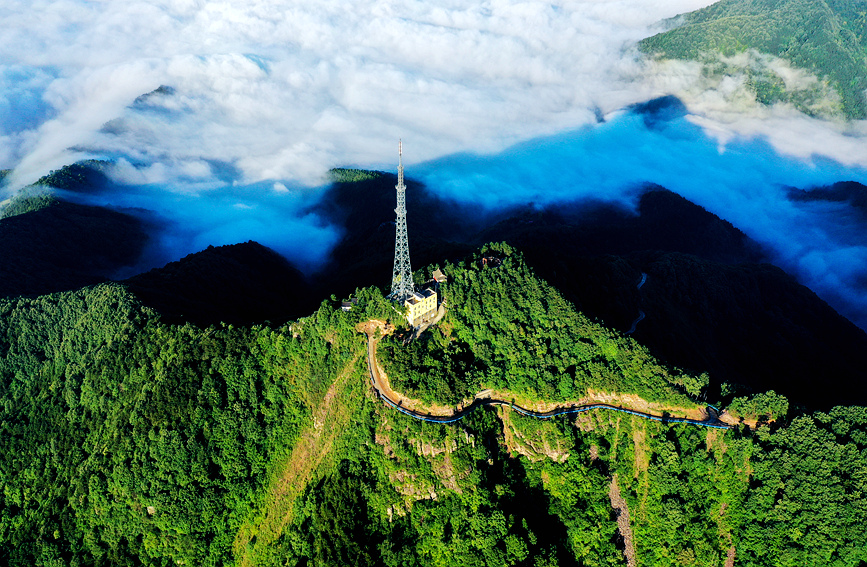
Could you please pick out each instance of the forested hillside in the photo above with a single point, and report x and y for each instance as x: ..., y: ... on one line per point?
x: 691, y: 258
x: 49, y: 245
x: 508, y: 330
x: 825, y: 37
x: 125, y: 440
x: 712, y: 306
x: 239, y: 283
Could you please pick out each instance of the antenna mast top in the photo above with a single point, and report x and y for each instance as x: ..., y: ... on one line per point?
x: 400, y: 185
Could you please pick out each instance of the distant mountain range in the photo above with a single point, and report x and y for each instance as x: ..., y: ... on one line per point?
x: 827, y: 38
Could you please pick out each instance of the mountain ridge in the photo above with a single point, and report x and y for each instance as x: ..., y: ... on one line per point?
x: 825, y: 37
x: 127, y: 440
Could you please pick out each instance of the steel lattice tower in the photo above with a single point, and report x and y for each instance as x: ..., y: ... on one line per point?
x: 401, y: 275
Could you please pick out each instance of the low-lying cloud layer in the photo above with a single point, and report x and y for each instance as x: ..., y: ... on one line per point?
x: 266, y: 95
x: 285, y: 89
x: 746, y: 183
x: 184, y: 223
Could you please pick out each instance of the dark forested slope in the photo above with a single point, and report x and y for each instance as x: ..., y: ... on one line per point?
x: 240, y: 284
x: 849, y: 193
x: 56, y: 245
x: 365, y: 209
x: 709, y: 305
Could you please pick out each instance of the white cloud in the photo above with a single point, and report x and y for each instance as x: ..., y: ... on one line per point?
x: 278, y: 91
x: 288, y: 89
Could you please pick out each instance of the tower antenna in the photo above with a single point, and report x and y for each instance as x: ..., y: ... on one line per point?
x: 401, y: 276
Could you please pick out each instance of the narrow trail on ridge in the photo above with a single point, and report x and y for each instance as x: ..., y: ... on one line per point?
x: 313, y: 446
x: 329, y: 419
x: 383, y: 389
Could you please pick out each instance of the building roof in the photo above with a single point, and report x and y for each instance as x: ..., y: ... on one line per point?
x: 418, y: 296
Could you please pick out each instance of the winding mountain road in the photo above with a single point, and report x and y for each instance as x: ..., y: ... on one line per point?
x: 641, y: 314
x: 639, y: 319
x: 384, y: 391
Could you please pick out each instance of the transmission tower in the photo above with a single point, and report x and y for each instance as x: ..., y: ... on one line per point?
x: 401, y: 275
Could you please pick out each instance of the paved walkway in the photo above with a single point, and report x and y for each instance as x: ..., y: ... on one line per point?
x: 384, y: 391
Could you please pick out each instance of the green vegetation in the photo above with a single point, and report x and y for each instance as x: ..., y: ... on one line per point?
x: 344, y: 175
x: 825, y: 37
x: 27, y: 200
x: 125, y: 441
x: 424, y: 494
x: 509, y: 330
x: 472, y: 493
x: 768, y: 406
x: 694, y: 494
x: 83, y: 176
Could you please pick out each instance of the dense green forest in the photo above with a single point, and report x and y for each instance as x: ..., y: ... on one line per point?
x: 127, y: 440
x: 825, y: 37
x: 85, y: 176
x: 346, y: 175
x: 25, y: 201
x: 507, y: 329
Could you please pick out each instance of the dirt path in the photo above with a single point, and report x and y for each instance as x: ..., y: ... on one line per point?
x: 314, y: 444
x: 382, y: 385
x: 623, y: 524
x: 730, y: 557
x: 444, y: 414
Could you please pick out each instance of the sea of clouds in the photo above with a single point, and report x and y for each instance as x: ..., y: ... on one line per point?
x: 284, y: 89
x: 266, y: 95
x: 746, y: 182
